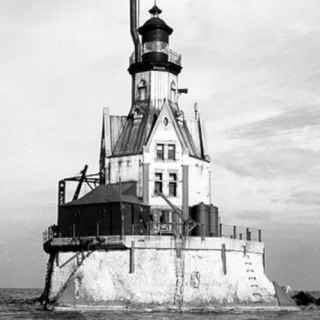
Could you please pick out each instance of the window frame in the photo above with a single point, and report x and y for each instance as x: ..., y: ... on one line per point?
x: 174, y: 152
x: 158, y: 181
x: 162, y: 145
x: 173, y: 182
x: 142, y: 89
x: 173, y: 91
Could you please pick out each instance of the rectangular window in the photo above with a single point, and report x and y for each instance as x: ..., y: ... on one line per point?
x: 160, y: 151
x: 172, y: 152
x: 166, y: 221
x: 158, y: 183
x: 172, y: 184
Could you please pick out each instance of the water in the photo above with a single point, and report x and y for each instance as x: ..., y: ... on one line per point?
x: 20, y: 304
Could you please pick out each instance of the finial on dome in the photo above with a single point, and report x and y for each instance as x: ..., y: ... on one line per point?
x: 155, y: 10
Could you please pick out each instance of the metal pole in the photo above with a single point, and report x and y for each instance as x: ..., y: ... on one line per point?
x: 224, y: 259
x: 248, y: 234
x: 202, y: 232
x: 98, y: 230
x: 131, y: 270
x: 234, y: 232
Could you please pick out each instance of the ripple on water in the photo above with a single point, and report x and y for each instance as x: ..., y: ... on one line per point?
x: 21, y: 304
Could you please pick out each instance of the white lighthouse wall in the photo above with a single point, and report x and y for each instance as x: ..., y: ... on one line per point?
x: 158, y: 85
x: 199, y: 181
x: 104, y: 277
x: 164, y: 134
x: 199, y: 170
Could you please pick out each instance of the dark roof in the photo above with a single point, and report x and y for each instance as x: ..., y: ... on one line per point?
x: 110, y: 193
x: 155, y: 23
x: 135, y: 134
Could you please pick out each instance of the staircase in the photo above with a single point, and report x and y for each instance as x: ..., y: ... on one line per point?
x: 255, y: 289
x: 44, y: 299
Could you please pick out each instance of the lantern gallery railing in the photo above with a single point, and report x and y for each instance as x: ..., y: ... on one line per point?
x: 226, y: 231
x: 173, y: 57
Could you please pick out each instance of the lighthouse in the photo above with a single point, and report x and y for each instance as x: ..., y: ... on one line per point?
x: 157, y: 146
x: 148, y: 234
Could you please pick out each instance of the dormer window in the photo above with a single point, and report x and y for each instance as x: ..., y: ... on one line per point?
x: 173, y: 91
x: 142, y: 90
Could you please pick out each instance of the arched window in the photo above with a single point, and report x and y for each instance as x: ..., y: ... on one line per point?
x: 142, y: 90
x: 173, y: 91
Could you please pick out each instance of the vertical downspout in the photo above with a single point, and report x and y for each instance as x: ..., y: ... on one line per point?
x: 185, y: 191
x: 145, y: 182
x: 134, y: 20
x: 134, y: 23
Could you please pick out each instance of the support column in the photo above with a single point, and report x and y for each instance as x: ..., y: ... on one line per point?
x: 131, y: 269
x: 145, y: 184
x: 224, y: 258
x: 234, y: 232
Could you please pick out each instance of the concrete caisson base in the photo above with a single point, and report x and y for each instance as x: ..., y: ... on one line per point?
x: 198, y: 276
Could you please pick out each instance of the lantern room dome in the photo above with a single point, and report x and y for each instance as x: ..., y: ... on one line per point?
x: 155, y: 26
x: 155, y: 23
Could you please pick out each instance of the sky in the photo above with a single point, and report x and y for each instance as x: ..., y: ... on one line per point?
x: 253, y: 67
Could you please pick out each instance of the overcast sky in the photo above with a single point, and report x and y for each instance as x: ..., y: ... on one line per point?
x: 253, y: 66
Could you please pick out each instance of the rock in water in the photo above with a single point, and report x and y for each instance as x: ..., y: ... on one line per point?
x: 304, y: 298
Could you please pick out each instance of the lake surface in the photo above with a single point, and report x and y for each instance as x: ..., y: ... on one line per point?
x: 19, y: 304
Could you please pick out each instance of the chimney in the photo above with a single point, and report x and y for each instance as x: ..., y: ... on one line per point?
x: 134, y: 21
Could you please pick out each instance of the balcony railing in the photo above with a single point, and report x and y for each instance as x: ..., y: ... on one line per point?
x: 173, y: 57
x: 240, y: 233
x: 152, y: 228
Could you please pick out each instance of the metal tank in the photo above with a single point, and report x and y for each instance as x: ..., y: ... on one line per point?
x: 200, y: 214
x: 213, y: 221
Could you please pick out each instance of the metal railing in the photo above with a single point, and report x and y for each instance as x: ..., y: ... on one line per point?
x: 48, y: 234
x: 173, y: 57
x: 175, y: 228
x: 240, y: 232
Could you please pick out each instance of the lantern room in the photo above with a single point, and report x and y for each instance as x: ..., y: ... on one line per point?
x: 155, y: 37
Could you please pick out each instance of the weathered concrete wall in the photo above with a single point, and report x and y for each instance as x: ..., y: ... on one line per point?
x: 162, y: 277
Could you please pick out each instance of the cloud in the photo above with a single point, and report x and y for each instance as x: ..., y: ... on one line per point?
x: 254, y: 217
x: 283, y: 123
x: 267, y: 161
x: 305, y: 198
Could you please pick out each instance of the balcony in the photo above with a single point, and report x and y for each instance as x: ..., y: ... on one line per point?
x: 173, y: 57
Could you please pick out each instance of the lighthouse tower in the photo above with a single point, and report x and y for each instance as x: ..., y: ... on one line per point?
x: 156, y: 68
x: 155, y: 145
